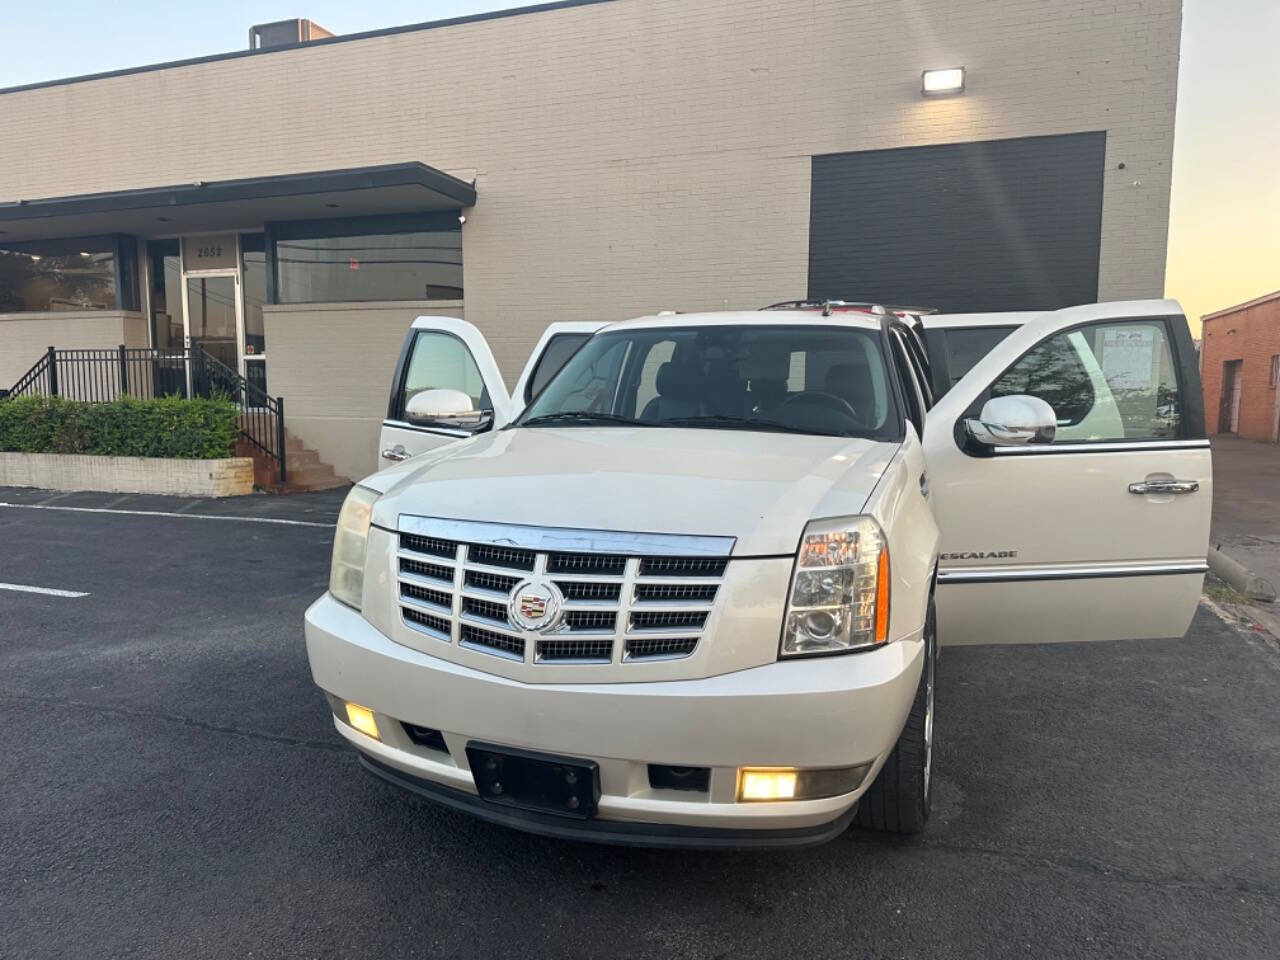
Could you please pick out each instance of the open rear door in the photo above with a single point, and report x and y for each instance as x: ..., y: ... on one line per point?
x: 1098, y: 533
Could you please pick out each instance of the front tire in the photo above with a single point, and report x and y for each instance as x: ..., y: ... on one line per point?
x: 898, y: 801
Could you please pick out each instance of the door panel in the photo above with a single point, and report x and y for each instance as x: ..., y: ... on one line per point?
x: 1046, y: 543
x: 440, y: 352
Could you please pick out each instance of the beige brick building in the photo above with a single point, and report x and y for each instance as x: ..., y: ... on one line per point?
x: 609, y: 158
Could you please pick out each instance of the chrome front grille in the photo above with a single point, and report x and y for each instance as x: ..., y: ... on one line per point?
x: 466, y: 583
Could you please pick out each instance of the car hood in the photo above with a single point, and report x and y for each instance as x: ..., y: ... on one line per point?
x: 760, y: 488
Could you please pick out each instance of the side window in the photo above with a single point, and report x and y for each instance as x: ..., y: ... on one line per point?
x: 1105, y: 381
x: 660, y: 353
x: 965, y: 346
x: 441, y: 360
x: 554, y: 356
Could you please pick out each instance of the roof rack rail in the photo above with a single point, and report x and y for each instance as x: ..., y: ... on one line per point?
x: 829, y: 306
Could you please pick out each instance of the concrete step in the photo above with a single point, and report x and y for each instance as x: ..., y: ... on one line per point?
x: 303, y: 483
x: 306, y: 471
x: 302, y: 458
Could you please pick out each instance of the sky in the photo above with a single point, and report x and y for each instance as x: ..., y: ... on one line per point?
x: 1224, y: 230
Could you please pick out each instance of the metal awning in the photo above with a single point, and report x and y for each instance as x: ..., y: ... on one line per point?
x: 215, y: 205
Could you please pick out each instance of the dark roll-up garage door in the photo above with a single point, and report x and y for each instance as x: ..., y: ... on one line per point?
x: 998, y: 225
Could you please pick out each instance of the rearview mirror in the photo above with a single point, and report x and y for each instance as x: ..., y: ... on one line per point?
x: 1013, y: 421
x: 443, y: 407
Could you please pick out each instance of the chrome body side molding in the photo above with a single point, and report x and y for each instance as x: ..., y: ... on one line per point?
x: 1069, y: 572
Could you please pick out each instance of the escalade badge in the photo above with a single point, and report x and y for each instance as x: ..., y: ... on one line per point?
x: 535, y: 605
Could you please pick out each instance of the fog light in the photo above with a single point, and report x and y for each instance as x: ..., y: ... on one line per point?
x: 766, y: 784
x: 788, y: 783
x: 362, y: 719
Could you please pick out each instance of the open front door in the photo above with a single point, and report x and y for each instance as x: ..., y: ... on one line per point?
x: 447, y: 353
x: 440, y: 353
x: 1098, y: 533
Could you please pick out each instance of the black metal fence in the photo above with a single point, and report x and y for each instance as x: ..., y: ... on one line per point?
x: 100, y: 376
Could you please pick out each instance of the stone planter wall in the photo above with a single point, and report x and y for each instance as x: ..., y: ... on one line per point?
x: 194, y: 478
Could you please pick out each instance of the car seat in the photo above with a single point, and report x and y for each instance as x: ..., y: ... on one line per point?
x: 678, y: 386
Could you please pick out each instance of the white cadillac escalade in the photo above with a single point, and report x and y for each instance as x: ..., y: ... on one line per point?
x: 687, y: 587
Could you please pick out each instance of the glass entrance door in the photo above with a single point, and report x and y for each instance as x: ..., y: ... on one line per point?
x: 213, y: 311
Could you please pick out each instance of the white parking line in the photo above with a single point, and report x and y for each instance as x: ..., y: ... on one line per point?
x: 47, y: 591
x: 181, y: 516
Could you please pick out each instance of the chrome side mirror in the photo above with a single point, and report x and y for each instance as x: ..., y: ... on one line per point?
x: 443, y: 407
x: 1013, y: 421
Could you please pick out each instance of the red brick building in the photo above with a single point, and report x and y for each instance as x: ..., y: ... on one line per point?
x: 1240, y: 367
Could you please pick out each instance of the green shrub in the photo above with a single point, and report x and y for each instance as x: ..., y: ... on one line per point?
x: 198, y: 429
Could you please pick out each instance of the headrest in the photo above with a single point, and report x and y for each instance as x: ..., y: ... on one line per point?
x: 678, y: 381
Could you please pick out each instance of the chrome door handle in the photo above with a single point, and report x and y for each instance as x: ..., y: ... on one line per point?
x: 395, y: 454
x: 1165, y: 486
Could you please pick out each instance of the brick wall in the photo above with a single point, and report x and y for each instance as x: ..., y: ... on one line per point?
x: 642, y: 154
x: 1249, y: 333
x: 333, y: 363
x: 24, y: 337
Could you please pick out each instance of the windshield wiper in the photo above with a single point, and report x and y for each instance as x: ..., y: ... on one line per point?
x: 584, y: 417
x: 744, y: 423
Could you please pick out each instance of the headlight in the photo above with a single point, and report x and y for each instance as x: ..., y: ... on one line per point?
x: 346, y: 576
x: 840, y: 589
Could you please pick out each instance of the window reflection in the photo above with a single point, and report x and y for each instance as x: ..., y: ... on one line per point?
x: 76, y: 274
x: 166, y: 294
x: 422, y: 265
x: 254, y: 290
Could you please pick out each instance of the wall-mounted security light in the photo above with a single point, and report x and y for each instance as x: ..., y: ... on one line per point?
x: 936, y: 83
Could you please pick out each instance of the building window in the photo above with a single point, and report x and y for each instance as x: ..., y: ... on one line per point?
x: 89, y: 273
x: 167, y: 326
x: 1275, y: 370
x: 373, y: 258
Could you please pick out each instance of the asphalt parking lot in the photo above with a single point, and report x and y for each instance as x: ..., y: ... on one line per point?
x: 173, y: 787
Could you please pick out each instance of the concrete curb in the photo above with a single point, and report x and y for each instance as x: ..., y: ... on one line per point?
x: 1239, y: 577
x: 72, y: 473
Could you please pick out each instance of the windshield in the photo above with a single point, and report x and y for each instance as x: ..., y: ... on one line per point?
x: 821, y: 380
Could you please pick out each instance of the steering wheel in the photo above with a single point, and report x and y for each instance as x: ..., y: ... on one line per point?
x: 828, y: 400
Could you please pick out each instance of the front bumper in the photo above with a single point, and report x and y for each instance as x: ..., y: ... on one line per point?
x: 825, y: 712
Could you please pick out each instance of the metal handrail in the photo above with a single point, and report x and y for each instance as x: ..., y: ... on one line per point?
x: 102, y: 375
x: 38, y: 369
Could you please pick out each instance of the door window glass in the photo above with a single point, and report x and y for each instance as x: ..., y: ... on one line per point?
x: 558, y: 350
x: 211, y: 309
x: 965, y: 347
x: 1105, y: 381
x: 442, y: 361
